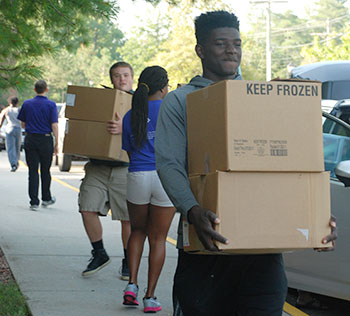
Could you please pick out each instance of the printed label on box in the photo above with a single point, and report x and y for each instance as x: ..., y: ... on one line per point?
x: 260, y: 147
x: 278, y: 148
x: 70, y: 99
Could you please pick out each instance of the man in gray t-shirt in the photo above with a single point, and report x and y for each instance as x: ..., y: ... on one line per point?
x: 209, y: 285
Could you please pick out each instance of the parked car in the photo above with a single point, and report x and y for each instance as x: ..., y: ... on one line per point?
x: 328, y: 105
x: 342, y: 110
x: 334, y: 75
x: 63, y: 160
x: 328, y: 273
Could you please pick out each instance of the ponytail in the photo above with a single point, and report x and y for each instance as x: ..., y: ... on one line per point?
x: 151, y: 80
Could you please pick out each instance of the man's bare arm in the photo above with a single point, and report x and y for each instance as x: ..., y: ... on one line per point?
x: 54, y: 127
x: 2, y: 117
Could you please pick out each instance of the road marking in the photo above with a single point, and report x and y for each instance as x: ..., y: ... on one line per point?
x: 70, y: 176
x: 55, y: 179
x: 65, y: 184
x: 171, y: 241
x: 23, y: 164
x: 291, y: 310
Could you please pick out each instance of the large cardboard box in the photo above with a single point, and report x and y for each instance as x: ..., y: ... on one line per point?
x: 239, y: 125
x: 263, y: 212
x: 91, y: 139
x: 95, y: 104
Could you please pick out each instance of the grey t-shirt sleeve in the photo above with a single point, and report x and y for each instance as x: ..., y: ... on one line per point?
x: 171, y: 152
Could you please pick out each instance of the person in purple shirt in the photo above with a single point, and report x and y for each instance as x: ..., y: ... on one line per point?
x: 40, y: 120
x: 149, y: 207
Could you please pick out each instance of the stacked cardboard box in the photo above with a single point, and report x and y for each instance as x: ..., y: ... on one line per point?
x: 255, y: 155
x: 88, y: 110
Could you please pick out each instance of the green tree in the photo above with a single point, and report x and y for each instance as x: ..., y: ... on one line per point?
x: 334, y: 49
x: 329, y: 16
x: 30, y: 29
x: 287, y: 38
x: 102, y: 33
x: 332, y: 41
x: 253, y: 47
x: 172, y: 49
x: 177, y: 54
x: 82, y: 67
x: 139, y: 50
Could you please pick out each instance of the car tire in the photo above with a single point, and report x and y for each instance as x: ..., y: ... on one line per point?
x: 64, y: 162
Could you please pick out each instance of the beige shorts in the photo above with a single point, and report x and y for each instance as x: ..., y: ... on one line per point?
x: 104, y: 188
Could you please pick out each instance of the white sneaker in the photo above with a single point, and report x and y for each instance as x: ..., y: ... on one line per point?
x: 47, y: 203
x: 151, y: 305
x: 34, y: 207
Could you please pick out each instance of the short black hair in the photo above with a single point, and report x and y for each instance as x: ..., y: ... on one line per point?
x: 14, y: 101
x: 40, y: 86
x: 120, y: 64
x: 209, y: 21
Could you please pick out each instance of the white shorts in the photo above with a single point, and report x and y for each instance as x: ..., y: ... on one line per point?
x: 144, y: 187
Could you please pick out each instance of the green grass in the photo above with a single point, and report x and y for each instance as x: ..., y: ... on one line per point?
x: 12, y: 302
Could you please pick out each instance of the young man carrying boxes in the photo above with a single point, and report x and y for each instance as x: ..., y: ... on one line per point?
x: 212, y: 284
x: 104, y: 184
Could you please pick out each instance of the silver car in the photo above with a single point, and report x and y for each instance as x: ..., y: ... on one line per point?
x: 63, y: 160
x: 328, y: 273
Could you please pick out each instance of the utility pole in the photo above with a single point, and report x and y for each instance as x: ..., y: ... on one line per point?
x: 268, y: 41
x: 268, y: 32
x: 328, y: 30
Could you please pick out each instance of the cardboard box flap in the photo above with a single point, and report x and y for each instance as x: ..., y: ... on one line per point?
x: 96, y: 104
x: 295, y: 80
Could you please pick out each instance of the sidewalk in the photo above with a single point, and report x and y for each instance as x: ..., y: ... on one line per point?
x: 48, y: 249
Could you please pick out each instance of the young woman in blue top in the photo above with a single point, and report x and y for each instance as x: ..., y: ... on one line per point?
x: 150, y: 209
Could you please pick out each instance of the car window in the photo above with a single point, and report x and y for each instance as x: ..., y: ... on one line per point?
x: 61, y: 107
x: 336, y: 143
x: 341, y: 90
x: 332, y: 127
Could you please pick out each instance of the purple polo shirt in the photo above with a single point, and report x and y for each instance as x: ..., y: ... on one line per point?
x: 38, y: 114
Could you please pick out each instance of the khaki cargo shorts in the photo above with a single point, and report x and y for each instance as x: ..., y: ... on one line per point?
x: 104, y: 188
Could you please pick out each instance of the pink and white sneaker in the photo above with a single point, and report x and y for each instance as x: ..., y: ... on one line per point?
x: 151, y: 305
x: 130, y: 295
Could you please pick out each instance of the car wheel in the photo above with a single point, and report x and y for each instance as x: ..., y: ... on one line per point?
x: 64, y: 162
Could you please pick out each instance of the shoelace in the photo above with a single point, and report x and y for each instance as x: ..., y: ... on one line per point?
x: 92, y: 255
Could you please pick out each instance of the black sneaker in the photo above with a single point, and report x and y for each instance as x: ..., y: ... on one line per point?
x: 124, y: 271
x: 98, y: 260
